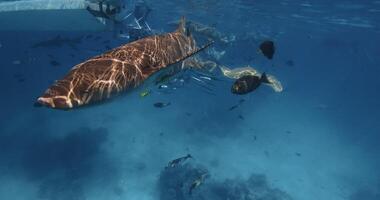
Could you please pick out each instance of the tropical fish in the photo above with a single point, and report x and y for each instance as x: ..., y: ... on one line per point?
x: 144, y: 93
x: 197, y: 182
x: 161, y: 104
x: 119, y: 69
x: 267, y: 48
x: 178, y: 161
x: 249, y: 71
x: 248, y: 83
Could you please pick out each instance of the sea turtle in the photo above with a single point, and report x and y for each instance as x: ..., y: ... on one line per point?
x: 119, y: 69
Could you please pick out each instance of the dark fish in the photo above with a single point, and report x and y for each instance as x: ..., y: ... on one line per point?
x: 241, y: 117
x: 248, y: 83
x: 54, y: 63
x: 178, y: 161
x: 298, y: 154
x: 237, y: 105
x: 163, y: 78
x: 290, y: 63
x: 161, y: 105
x: 197, y: 182
x: 59, y: 41
x: 233, y: 107
x: 268, y: 49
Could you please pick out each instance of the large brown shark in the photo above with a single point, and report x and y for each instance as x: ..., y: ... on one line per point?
x: 120, y: 69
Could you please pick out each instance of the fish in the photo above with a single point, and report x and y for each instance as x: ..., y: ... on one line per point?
x: 161, y: 104
x: 178, y: 161
x: 237, y: 105
x: 241, y: 117
x: 247, y: 84
x: 120, y: 69
x: 233, y: 107
x: 249, y: 71
x: 267, y: 48
x: 290, y: 63
x: 54, y: 63
x: 144, y: 93
x: 16, y: 62
x: 197, y: 182
x: 59, y: 41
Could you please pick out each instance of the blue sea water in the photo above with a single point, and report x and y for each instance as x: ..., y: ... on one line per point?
x: 318, y: 139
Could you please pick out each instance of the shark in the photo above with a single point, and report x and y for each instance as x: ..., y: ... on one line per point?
x: 120, y: 69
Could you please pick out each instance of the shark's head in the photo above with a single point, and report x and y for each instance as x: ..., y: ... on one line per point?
x: 56, y: 97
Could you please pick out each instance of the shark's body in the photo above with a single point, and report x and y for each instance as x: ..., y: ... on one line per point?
x: 120, y: 69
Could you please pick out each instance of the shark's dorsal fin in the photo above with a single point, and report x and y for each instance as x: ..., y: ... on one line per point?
x: 182, y: 26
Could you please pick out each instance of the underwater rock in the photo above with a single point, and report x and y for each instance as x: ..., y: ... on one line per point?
x: 175, y: 183
x: 364, y: 194
x: 61, y: 167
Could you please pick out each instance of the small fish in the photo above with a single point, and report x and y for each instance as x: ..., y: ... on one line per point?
x: 290, y: 63
x: 237, y: 105
x: 267, y: 48
x: 241, y: 117
x: 163, y: 78
x: 298, y: 154
x: 248, y: 83
x: 197, y: 182
x: 145, y: 93
x: 162, y: 86
x: 161, y: 104
x: 233, y: 107
x: 178, y: 161
x: 54, y: 63
x: 16, y: 62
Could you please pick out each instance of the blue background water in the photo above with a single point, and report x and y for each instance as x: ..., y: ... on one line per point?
x: 318, y: 139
